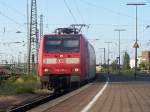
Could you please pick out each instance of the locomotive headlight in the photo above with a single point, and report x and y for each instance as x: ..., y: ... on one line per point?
x: 46, y: 70
x: 76, y: 69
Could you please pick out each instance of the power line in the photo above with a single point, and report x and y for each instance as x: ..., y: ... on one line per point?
x: 107, y: 9
x: 11, y: 8
x: 70, y: 11
x: 76, y: 5
x: 9, y: 18
x: 91, y: 24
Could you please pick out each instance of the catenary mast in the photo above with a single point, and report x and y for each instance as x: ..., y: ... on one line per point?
x: 33, y: 40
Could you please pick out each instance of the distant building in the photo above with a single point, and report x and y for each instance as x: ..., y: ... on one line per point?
x: 132, y: 62
x: 145, y: 58
x: 4, y: 70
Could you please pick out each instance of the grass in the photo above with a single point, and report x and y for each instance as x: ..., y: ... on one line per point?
x: 19, y: 85
x: 127, y: 72
x: 123, y: 72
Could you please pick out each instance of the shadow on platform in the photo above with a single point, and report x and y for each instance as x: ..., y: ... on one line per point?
x: 122, y: 78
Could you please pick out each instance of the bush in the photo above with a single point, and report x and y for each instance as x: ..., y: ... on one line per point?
x: 18, y: 85
x: 129, y: 72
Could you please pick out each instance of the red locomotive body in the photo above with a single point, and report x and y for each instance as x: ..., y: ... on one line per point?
x: 64, y: 59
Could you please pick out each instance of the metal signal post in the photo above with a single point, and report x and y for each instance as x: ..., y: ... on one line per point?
x: 41, y: 25
x: 108, y: 56
x: 104, y: 58
x: 119, y: 30
x: 136, y: 5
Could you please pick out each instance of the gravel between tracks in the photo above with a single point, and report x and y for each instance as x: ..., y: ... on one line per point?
x: 7, y: 102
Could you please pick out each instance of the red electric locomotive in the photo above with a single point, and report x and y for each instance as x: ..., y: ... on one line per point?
x: 65, y: 57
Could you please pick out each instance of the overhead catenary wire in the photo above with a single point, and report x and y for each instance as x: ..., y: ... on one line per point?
x: 46, y: 13
x: 91, y: 24
x: 79, y: 12
x: 11, y: 19
x: 106, y: 9
x: 68, y: 8
x: 12, y: 8
x: 109, y: 10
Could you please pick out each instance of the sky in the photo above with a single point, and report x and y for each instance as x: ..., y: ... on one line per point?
x: 102, y: 16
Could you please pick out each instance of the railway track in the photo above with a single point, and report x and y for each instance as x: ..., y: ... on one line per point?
x: 32, y: 104
x: 49, y: 98
x: 71, y: 99
x: 51, y: 101
x: 123, y: 96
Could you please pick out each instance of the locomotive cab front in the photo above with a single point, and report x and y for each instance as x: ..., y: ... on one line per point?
x: 59, y: 60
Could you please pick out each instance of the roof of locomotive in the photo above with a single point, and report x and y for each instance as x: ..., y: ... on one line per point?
x: 54, y: 34
x: 75, y: 35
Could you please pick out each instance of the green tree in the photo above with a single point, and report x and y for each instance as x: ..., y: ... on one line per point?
x: 126, y: 61
x: 142, y: 66
x: 114, y: 65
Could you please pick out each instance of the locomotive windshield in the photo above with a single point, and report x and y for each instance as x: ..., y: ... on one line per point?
x: 61, y: 43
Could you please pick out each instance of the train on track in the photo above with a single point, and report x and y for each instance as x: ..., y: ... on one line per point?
x: 65, y: 58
